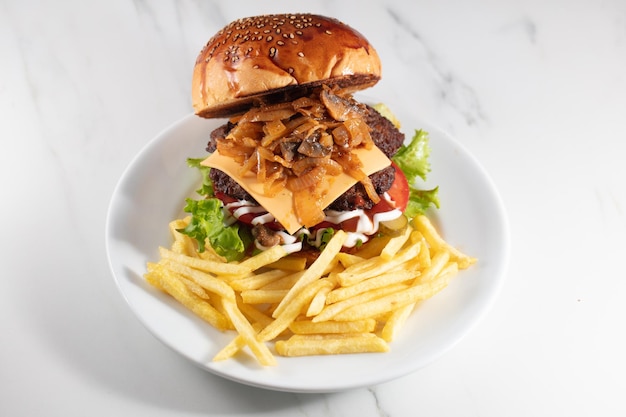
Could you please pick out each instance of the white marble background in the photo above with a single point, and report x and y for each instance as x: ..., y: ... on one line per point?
x: 535, y: 89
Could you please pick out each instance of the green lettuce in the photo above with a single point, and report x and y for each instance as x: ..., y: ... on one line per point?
x: 420, y: 201
x: 207, y: 185
x: 412, y: 159
x: 207, y: 220
x: 207, y: 223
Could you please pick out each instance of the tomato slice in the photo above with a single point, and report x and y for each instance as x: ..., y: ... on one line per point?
x: 399, y: 190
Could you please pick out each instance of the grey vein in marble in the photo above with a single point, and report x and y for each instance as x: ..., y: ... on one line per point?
x: 454, y: 92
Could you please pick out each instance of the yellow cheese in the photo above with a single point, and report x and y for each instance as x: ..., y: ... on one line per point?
x: 281, y: 205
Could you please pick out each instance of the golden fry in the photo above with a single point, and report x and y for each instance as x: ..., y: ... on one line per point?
x: 347, y: 259
x: 395, y: 244
x: 326, y: 327
x: 304, y: 345
x: 264, y: 258
x: 263, y: 296
x: 395, y: 321
x: 319, y: 300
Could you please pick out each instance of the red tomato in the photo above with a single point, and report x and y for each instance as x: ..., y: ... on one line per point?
x: 399, y: 191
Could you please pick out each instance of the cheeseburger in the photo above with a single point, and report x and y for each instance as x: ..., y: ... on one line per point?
x: 297, y: 156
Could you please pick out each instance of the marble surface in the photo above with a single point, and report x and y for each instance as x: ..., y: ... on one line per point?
x: 535, y: 90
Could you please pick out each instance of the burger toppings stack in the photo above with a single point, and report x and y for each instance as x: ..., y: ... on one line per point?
x: 298, y: 157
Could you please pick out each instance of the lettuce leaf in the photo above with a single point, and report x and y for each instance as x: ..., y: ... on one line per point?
x: 412, y: 159
x: 420, y: 201
x: 207, y: 185
x: 207, y: 223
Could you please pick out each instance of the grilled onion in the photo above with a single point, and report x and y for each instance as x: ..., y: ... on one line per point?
x: 297, y: 145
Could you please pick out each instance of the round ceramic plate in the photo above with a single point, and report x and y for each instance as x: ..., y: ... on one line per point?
x: 151, y: 193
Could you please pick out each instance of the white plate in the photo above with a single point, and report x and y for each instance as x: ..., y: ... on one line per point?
x: 151, y: 193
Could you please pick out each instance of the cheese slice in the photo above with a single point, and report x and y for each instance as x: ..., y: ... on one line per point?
x: 281, y: 205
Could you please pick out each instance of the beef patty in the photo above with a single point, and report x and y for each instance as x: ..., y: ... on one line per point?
x: 384, y: 134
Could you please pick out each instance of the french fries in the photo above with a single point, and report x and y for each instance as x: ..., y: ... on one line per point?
x: 342, y: 303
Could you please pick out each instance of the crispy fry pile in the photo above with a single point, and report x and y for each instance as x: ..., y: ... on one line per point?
x: 341, y: 303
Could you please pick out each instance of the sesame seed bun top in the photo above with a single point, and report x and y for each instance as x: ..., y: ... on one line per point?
x: 273, y: 58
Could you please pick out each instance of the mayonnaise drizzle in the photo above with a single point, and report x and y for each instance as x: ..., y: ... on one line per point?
x: 365, y: 228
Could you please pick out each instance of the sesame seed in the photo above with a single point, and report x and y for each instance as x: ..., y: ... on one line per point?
x: 300, y: 54
x: 280, y: 43
x: 270, y: 38
x: 328, y: 32
x: 272, y: 52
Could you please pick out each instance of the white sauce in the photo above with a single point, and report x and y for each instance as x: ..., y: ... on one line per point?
x: 365, y: 228
x: 265, y: 218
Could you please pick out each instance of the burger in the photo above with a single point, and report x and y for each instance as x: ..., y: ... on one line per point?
x: 297, y: 157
